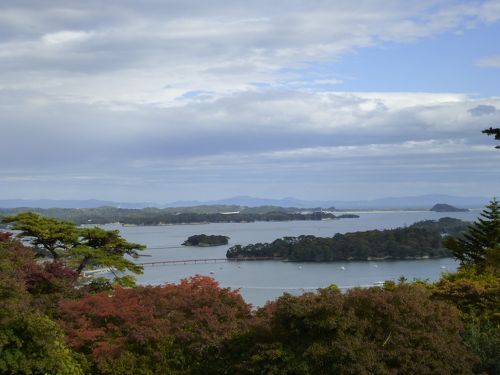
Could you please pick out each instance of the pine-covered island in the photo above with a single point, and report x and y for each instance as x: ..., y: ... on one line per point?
x: 421, y: 240
x: 203, y: 240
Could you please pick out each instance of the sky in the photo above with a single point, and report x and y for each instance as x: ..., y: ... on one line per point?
x: 177, y: 100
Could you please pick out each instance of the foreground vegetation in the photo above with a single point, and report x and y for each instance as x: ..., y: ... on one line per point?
x: 52, y: 323
x: 420, y: 240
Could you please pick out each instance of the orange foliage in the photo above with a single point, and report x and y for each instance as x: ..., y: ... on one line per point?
x: 190, y: 318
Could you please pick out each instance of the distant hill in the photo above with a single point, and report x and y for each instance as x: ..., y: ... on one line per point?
x: 410, y: 202
x: 443, y: 207
x: 247, y: 201
x: 56, y: 203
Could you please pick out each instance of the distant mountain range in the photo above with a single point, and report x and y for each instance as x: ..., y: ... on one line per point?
x: 411, y: 202
x: 55, y: 203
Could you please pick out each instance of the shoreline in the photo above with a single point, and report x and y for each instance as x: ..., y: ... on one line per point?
x: 385, y: 259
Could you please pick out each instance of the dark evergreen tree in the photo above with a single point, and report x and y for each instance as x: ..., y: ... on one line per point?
x: 493, y: 131
x: 482, y: 240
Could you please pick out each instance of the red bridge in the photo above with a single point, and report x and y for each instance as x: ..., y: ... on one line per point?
x: 208, y: 260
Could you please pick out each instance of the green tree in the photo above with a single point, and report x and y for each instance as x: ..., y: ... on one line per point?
x: 493, y: 131
x: 398, y: 329
x: 475, y: 288
x: 481, y: 244
x: 105, y: 248
x: 477, y: 296
x: 30, y: 342
x: 47, y: 235
x: 79, y: 248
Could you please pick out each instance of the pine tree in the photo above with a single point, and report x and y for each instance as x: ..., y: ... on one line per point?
x: 493, y: 131
x: 481, y: 242
x: 78, y: 248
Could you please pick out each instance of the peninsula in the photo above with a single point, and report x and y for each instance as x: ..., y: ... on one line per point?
x: 180, y: 215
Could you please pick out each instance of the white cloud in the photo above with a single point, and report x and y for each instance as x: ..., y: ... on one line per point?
x: 490, y: 61
x: 430, y: 146
x: 65, y: 37
x: 123, y: 53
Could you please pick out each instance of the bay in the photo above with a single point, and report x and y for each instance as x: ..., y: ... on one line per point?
x: 260, y: 281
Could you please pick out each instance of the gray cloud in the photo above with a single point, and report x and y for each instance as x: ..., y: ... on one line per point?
x: 165, y: 100
x: 248, y: 122
x: 482, y: 110
x: 252, y: 139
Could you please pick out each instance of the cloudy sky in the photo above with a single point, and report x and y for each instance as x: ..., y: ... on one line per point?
x: 168, y: 100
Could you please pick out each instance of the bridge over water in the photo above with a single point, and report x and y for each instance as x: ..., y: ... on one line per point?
x: 205, y: 260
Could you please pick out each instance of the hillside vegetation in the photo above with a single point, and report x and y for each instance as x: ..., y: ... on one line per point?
x: 158, y: 216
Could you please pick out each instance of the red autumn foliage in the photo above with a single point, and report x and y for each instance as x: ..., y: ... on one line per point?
x: 47, y: 278
x: 18, y: 255
x: 50, y: 279
x: 47, y: 283
x: 5, y: 236
x: 188, y: 318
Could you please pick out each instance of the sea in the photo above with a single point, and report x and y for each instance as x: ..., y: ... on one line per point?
x: 262, y: 281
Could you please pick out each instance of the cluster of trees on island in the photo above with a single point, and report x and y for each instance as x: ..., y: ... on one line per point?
x: 157, y: 216
x: 53, y: 322
x: 420, y: 240
x: 443, y: 207
x: 204, y: 240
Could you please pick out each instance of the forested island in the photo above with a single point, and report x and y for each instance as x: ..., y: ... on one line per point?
x: 419, y: 241
x: 203, y: 240
x: 188, y: 215
x: 442, y: 207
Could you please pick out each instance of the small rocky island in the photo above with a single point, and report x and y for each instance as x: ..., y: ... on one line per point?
x: 442, y: 207
x: 203, y: 240
x: 347, y: 216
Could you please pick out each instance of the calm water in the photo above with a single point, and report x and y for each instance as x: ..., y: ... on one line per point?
x: 260, y: 281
